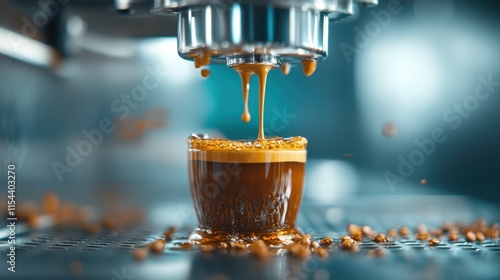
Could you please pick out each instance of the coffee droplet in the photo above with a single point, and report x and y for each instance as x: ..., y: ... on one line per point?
x: 245, y: 75
x: 245, y: 117
x: 205, y: 73
x: 308, y: 66
x: 202, y: 59
x: 389, y: 129
x: 285, y: 68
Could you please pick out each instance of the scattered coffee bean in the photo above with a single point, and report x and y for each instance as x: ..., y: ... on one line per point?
x: 299, y: 250
x: 158, y: 246
x: 321, y: 253
x: 367, y: 231
x: 350, y: 245
x: 404, y: 231
x: 355, y: 232
x: 392, y: 233
x: 381, y: 238
x: 493, y: 232
x: 453, y: 236
x: 470, y: 236
x: 436, y: 233
x: 172, y: 229
x: 306, y: 240
x: 33, y: 220
x: 434, y: 242
x: 448, y: 226
x: 170, y: 232
x: 480, y: 236
x: 168, y: 235
x: 50, y: 203
x: 343, y: 238
x: 140, y: 254
x: 422, y: 235
x: 326, y: 242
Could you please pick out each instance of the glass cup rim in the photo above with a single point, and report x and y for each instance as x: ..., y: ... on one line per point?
x: 201, y: 142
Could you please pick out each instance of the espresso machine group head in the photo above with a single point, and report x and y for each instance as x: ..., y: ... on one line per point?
x: 269, y: 32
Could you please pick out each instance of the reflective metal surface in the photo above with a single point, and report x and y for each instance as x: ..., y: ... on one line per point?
x: 68, y: 254
x: 341, y: 8
x: 287, y: 30
x: 290, y: 33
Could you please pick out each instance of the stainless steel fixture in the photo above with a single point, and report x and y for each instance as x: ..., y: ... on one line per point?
x: 258, y: 31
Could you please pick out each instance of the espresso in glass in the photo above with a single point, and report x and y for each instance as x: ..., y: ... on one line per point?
x: 246, y: 190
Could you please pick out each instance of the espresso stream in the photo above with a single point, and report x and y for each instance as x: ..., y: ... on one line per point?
x: 262, y: 70
x: 246, y: 71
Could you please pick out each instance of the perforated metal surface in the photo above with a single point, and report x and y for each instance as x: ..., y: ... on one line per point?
x: 70, y: 241
x: 49, y: 254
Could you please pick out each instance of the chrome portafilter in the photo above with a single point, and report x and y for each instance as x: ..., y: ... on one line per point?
x: 255, y: 31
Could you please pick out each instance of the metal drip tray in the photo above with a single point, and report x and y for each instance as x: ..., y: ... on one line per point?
x: 70, y: 253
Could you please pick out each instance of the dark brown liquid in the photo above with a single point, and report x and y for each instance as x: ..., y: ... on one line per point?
x: 243, y: 201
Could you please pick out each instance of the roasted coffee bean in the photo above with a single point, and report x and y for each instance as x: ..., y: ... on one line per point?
x: 158, y: 246
x: 326, y: 242
x: 381, y: 238
x: 433, y: 242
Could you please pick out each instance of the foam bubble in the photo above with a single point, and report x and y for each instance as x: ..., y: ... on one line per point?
x: 275, y: 143
x: 277, y: 149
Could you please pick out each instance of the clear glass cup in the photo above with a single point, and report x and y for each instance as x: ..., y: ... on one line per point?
x: 244, y: 190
